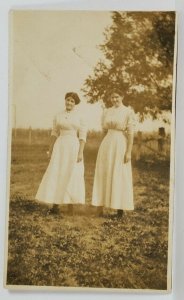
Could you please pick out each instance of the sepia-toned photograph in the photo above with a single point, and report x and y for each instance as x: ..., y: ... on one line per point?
x: 91, y: 150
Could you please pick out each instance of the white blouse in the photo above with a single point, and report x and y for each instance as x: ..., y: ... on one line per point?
x: 119, y: 118
x: 69, y: 121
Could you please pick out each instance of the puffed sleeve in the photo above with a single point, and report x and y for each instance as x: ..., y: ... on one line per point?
x: 82, y: 129
x: 130, y: 128
x: 55, y: 128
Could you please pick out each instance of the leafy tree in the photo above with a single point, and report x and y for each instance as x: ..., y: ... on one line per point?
x: 138, y: 51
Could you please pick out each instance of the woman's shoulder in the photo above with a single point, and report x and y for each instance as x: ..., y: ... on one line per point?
x: 128, y: 109
x: 108, y: 109
x: 59, y: 113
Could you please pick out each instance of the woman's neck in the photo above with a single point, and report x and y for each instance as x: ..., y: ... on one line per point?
x: 69, y: 110
x: 119, y: 105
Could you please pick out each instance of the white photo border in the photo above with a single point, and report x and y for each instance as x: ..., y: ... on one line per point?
x: 178, y: 242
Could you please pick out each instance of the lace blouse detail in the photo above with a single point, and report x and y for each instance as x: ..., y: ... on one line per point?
x: 120, y: 118
x: 70, y: 121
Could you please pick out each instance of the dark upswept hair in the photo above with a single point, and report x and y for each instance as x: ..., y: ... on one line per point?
x: 74, y: 96
x: 117, y: 91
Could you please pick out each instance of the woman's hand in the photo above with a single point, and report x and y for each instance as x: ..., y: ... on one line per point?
x: 49, y: 154
x: 80, y: 156
x: 52, y: 142
x: 127, y: 157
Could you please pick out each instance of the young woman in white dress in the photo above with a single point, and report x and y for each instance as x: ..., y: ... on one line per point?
x: 113, y: 186
x: 63, y: 181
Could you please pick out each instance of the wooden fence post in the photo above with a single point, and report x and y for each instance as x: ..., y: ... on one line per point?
x: 161, y: 139
x: 30, y: 135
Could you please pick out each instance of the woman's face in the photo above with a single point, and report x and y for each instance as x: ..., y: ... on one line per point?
x: 116, y: 99
x: 69, y: 103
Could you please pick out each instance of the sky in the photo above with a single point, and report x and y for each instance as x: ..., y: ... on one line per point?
x: 51, y: 53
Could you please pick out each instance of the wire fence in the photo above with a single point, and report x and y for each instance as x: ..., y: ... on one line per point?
x: 155, y: 145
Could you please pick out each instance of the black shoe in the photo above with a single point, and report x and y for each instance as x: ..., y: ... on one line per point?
x: 99, y: 212
x: 119, y: 213
x: 54, y: 210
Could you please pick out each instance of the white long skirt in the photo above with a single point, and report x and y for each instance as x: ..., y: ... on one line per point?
x: 113, y: 186
x: 63, y: 181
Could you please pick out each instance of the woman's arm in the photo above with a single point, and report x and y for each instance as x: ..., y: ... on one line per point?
x: 81, y: 150
x: 130, y: 139
x: 130, y: 136
x: 82, y: 138
x: 52, y: 142
x: 104, y: 132
x: 54, y: 135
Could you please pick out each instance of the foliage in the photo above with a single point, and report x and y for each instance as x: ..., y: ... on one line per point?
x: 85, y: 250
x: 138, y: 50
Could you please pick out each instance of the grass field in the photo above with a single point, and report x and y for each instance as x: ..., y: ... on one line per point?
x: 85, y: 250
